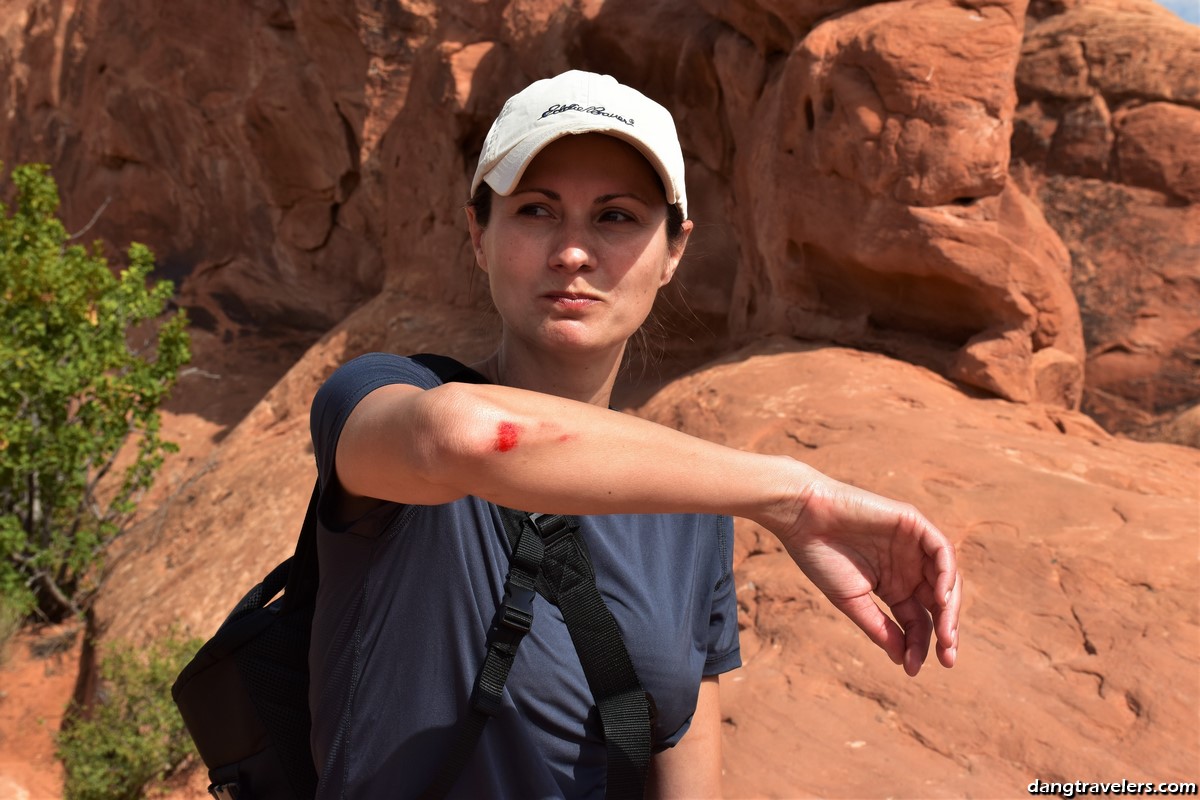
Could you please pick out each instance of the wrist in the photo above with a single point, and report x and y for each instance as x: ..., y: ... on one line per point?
x: 783, y: 506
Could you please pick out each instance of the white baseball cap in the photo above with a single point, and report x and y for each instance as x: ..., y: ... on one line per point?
x: 579, y: 102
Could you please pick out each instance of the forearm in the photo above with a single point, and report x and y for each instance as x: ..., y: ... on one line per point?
x: 539, y: 452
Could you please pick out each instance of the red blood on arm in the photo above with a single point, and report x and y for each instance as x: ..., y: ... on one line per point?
x: 507, y: 436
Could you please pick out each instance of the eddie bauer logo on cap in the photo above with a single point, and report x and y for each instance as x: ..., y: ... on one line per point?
x: 597, y: 110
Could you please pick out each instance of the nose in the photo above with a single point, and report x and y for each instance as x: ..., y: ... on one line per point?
x: 572, y: 251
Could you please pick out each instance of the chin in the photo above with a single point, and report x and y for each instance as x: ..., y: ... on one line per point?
x: 579, y: 343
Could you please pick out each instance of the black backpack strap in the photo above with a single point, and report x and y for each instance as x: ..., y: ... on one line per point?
x: 514, y: 618
x: 564, y: 576
x: 297, y: 576
x: 627, y: 711
x: 448, y: 369
x: 303, y: 576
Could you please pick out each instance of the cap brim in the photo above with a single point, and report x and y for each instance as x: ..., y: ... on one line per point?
x: 505, y: 174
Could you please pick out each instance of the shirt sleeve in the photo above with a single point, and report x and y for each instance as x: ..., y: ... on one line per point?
x: 724, y: 647
x: 338, y: 397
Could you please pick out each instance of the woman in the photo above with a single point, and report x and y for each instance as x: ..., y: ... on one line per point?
x: 578, y: 217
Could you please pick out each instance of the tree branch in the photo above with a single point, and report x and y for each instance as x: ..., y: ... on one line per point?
x: 43, y: 578
x: 93, y: 220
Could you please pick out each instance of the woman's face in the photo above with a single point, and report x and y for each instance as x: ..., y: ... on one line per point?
x: 576, y: 254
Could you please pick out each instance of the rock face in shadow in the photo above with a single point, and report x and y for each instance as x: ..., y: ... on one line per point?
x: 300, y: 167
x: 218, y: 133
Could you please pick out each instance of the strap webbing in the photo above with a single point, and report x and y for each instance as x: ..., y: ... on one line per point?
x: 514, y: 618
x: 549, y: 555
x: 303, y: 575
x: 626, y: 709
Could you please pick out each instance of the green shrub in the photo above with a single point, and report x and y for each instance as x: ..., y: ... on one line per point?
x: 84, y: 366
x: 10, y: 622
x: 133, y: 736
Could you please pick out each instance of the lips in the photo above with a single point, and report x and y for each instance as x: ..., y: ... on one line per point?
x: 571, y: 300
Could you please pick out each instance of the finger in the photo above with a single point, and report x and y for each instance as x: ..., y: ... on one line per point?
x: 939, y: 548
x: 946, y: 621
x: 918, y: 629
x: 947, y: 582
x: 945, y: 612
x: 877, y: 625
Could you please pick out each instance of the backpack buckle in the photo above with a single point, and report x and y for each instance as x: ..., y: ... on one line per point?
x: 224, y: 791
x: 551, y: 527
x: 516, y: 609
x: 514, y: 619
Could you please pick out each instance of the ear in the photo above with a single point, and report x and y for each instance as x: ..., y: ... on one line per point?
x: 675, y: 253
x: 477, y: 239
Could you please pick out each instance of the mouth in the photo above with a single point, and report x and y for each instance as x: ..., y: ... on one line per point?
x: 573, y: 300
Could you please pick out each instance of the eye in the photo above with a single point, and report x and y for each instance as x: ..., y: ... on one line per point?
x: 533, y: 210
x: 616, y: 215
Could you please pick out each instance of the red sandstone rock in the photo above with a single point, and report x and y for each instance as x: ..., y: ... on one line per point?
x: 1080, y: 641
x: 271, y: 173
x: 37, y: 677
x: 210, y: 132
x: 1158, y: 146
x: 1106, y: 141
x: 887, y: 222
x: 305, y: 147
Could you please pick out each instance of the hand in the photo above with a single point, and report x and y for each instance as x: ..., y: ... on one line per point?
x: 852, y: 544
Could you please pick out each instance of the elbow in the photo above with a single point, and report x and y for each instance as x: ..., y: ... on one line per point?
x: 461, y: 429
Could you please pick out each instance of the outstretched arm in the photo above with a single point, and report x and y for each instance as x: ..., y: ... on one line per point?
x: 540, y: 452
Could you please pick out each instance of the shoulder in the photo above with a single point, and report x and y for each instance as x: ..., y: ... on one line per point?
x: 358, y: 377
x: 377, y: 369
x: 354, y: 380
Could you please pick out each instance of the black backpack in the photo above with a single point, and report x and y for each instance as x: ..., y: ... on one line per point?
x: 244, y: 696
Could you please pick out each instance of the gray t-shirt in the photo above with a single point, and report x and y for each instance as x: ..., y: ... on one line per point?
x: 406, y: 598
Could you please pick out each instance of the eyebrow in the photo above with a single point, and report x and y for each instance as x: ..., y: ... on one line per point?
x: 604, y: 198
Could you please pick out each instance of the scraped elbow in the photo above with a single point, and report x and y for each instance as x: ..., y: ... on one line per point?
x: 463, y: 429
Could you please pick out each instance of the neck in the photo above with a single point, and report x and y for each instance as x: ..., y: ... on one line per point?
x: 588, y: 379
